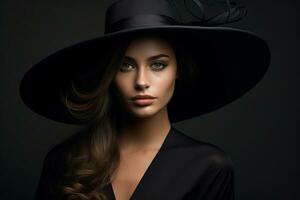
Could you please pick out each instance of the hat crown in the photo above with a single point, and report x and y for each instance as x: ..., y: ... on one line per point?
x: 128, y: 14
x: 125, y: 14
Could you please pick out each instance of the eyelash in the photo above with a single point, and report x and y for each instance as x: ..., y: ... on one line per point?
x: 160, y: 63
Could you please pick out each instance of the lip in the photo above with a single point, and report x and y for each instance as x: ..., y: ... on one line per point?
x: 148, y: 97
x: 144, y: 101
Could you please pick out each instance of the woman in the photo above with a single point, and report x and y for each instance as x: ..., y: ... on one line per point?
x: 129, y: 149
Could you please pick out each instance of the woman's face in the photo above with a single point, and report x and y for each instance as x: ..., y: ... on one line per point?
x: 148, y: 68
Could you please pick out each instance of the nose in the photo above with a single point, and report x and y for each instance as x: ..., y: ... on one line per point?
x: 141, y: 81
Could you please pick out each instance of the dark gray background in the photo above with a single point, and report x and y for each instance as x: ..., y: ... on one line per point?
x: 259, y: 131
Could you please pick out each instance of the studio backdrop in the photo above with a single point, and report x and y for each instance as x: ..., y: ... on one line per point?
x: 260, y: 131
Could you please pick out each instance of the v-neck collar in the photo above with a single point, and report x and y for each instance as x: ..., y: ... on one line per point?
x: 170, y: 140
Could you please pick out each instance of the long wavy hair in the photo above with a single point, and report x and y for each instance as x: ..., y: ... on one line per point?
x: 91, y: 163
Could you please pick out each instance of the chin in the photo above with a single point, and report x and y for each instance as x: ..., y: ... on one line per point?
x: 144, y: 112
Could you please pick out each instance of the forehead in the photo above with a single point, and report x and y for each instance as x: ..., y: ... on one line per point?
x: 149, y: 45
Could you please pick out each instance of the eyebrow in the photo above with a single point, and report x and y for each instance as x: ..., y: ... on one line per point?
x: 150, y: 58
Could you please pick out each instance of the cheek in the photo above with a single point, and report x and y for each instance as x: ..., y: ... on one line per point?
x: 121, y: 84
x: 166, y: 85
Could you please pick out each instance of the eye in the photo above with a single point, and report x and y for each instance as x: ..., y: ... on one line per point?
x: 158, y: 66
x: 125, y: 66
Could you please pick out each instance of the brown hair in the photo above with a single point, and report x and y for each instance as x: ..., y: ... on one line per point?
x: 90, y: 165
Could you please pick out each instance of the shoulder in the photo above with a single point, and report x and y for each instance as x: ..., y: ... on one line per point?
x: 213, y: 155
x: 205, y: 154
x: 54, y: 160
x: 56, y: 157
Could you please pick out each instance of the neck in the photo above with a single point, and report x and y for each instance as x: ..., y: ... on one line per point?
x: 145, y: 133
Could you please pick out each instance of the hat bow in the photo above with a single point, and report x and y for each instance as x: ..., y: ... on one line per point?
x: 127, y: 14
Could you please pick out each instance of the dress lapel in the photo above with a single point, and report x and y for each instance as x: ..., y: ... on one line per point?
x: 142, y: 189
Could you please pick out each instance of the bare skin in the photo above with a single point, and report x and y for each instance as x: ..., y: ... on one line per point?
x: 146, y: 126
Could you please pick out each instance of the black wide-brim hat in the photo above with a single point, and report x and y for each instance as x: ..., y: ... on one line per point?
x: 242, y: 56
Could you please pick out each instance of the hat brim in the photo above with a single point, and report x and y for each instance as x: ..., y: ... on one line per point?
x: 243, y: 55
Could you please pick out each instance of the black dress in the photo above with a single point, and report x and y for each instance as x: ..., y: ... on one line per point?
x: 183, y: 169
